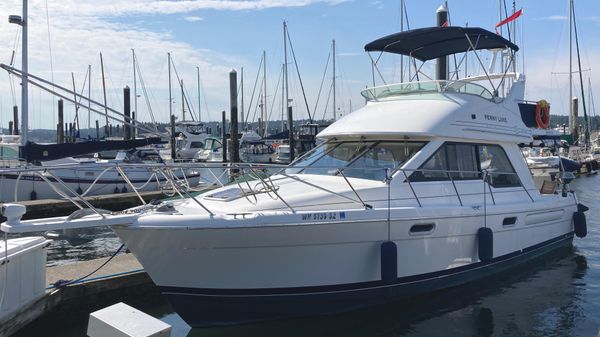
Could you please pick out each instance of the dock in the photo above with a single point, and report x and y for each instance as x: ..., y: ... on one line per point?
x: 122, y: 277
x: 112, y: 202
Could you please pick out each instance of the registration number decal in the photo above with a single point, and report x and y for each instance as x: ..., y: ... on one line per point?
x: 324, y: 216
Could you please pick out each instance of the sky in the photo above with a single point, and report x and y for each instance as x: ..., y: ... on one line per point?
x: 213, y: 37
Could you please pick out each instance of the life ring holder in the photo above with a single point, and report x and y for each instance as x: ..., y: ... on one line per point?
x: 542, y: 114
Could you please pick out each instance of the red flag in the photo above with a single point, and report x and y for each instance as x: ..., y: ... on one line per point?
x: 445, y: 24
x: 510, y: 18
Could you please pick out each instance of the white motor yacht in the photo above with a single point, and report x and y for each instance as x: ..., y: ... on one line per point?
x: 189, y: 139
x: 422, y: 189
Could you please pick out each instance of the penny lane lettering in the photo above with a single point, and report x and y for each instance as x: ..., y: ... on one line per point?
x: 495, y: 119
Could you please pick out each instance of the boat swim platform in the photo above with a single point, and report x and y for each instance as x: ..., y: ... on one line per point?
x: 120, y: 279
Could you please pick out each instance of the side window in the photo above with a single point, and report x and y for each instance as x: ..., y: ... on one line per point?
x: 462, y: 161
x: 500, y: 171
x: 456, y: 161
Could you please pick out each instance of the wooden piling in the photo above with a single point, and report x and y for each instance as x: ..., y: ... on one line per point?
x: 60, y: 135
x: 235, y: 148
x: 127, y: 113
x: 16, y: 120
x: 291, y: 134
x: 173, y: 152
x: 224, y: 133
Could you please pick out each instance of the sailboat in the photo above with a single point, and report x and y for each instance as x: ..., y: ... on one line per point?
x: 66, y: 177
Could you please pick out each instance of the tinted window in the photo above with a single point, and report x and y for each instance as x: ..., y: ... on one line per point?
x: 382, y: 156
x: 496, y: 163
x: 456, y: 161
x: 338, y: 157
x: 368, y: 160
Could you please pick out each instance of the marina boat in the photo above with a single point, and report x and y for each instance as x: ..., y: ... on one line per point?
x: 422, y: 189
x: 89, y: 176
x: 255, y: 150
x: 211, y: 152
x: 189, y: 139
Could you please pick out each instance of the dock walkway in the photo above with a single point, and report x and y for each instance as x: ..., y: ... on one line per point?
x: 122, y: 276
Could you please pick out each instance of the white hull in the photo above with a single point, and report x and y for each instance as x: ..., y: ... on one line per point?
x: 327, y: 253
x: 86, y: 181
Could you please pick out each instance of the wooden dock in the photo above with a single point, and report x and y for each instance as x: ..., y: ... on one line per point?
x: 122, y: 277
x: 112, y: 202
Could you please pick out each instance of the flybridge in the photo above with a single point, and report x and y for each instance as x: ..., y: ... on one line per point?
x: 431, y: 43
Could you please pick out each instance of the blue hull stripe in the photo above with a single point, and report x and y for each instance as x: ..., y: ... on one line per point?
x: 214, y: 307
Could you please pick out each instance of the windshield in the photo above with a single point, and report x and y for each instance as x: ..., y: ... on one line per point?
x: 367, y: 160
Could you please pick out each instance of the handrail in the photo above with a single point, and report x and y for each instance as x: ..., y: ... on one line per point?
x: 365, y: 205
x: 463, y: 86
x: 252, y: 172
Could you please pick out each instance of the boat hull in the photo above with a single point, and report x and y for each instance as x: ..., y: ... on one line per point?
x: 27, y: 186
x: 210, y: 307
x: 233, y: 271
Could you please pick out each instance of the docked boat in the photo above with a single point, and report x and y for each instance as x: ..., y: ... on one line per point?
x: 422, y: 189
x: 253, y: 149
x: 189, y: 139
x: 212, y: 151
x: 130, y: 171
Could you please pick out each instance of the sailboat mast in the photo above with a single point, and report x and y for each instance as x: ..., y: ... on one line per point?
x: 135, y: 96
x: 571, y: 118
x: 285, y: 73
x: 264, y: 116
x: 182, y: 101
x: 199, y: 107
x: 89, y: 126
x: 586, y: 125
x: 170, y: 94
x: 401, y: 30
x: 334, y: 105
x: 106, y: 128
x: 25, y: 78
x: 282, y: 100
x: 242, y: 97
x: 76, y: 104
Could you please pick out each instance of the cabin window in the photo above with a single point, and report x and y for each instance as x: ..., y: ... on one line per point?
x: 452, y: 160
x: 465, y: 161
x: 493, y: 159
x: 381, y: 156
x: 196, y: 145
x: 367, y: 160
x: 338, y: 156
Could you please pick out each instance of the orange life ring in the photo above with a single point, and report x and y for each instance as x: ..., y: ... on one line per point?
x: 542, y: 114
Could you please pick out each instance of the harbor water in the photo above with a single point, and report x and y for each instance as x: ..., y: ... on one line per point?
x: 558, y: 295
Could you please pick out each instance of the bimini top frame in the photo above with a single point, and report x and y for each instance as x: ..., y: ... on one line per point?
x: 425, y: 44
x: 430, y: 43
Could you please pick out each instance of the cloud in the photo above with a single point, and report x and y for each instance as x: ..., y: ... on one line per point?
x: 193, y: 18
x: 552, y: 18
x: 114, y: 8
x: 595, y: 19
x: 378, y: 4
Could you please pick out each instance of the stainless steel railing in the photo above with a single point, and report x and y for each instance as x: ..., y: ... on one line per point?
x: 251, y: 179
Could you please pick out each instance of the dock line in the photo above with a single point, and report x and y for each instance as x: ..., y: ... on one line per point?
x: 63, y: 283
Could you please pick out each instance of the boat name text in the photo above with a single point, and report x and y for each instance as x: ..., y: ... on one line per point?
x: 495, y: 118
